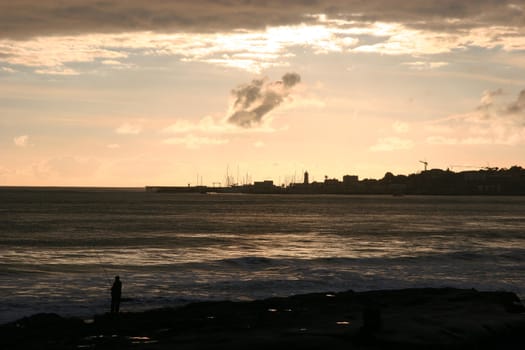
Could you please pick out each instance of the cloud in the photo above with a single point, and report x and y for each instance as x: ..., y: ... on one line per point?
x: 248, y: 113
x: 129, y: 129
x: 488, y: 97
x: 194, y: 142
x: 26, y: 18
x: 183, y: 126
x: 21, y: 141
x: 210, y: 125
x: 7, y: 70
x: 257, y: 42
x: 494, y: 109
x: 401, y: 39
x: 250, y: 51
x: 518, y: 106
x: 207, y: 125
x: 111, y: 62
x: 388, y: 144
x: 113, y: 146
x: 254, y: 100
x: 253, y: 36
x: 57, y: 70
x: 51, y: 55
x: 424, y: 65
x: 495, y: 121
x: 117, y: 65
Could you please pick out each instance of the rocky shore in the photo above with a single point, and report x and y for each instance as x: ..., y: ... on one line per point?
x: 407, y: 319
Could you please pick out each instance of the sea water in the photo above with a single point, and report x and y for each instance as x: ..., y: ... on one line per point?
x: 61, y: 248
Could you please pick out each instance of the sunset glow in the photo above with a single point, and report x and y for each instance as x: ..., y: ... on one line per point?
x: 91, y: 101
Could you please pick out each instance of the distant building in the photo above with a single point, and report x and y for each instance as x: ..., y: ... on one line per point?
x: 350, y: 179
x: 306, y: 180
x: 328, y: 181
x: 474, y: 175
x: 263, y: 186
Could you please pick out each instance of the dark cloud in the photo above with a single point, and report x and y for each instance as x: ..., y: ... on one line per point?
x: 491, y: 108
x: 290, y: 79
x: 518, y: 106
x: 25, y: 18
x: 254, y: 100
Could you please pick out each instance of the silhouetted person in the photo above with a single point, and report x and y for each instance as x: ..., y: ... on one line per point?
x: 116, y: 292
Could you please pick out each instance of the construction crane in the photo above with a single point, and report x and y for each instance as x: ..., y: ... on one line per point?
x: 424, y: 162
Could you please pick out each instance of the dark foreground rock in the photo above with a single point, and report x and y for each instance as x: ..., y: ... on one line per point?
x: 407, y: 319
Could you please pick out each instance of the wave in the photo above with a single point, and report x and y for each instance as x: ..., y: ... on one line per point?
x: 89, y: 263
x: 251, y: 261
x: 513, y: 254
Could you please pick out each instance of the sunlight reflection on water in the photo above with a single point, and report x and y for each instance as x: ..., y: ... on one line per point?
x: 173, y: 248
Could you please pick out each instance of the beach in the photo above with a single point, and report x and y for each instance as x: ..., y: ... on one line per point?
x: 430, y: 318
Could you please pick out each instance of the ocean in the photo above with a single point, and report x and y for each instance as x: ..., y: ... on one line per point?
x: 60, y: 248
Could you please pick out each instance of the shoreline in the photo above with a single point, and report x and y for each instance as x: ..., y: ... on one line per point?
x: 406, y: 318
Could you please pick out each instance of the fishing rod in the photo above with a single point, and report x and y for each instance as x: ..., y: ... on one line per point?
x: 106, y: 274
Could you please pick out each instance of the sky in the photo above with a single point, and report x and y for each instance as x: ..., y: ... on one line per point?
x: 135, y: 93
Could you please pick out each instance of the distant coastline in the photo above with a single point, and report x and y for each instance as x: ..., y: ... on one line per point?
x: 486, y: 181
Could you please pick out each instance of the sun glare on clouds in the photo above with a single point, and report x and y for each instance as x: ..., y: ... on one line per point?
x: 252, y: 51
